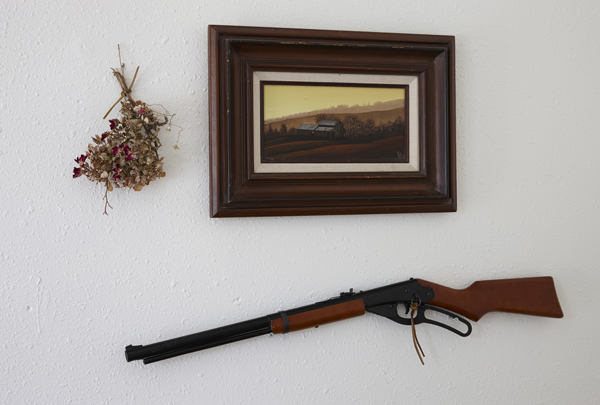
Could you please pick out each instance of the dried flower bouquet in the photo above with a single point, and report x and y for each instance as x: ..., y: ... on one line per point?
x: 127, y: 155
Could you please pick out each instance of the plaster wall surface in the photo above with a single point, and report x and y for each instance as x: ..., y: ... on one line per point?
x: 77, y: 286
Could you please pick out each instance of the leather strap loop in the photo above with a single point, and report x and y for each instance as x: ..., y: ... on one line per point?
x: 286, y: 322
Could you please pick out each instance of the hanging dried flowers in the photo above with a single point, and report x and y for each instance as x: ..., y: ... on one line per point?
x: 127, y: 155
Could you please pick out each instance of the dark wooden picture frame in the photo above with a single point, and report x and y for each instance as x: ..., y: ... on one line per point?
x: 239, y: 55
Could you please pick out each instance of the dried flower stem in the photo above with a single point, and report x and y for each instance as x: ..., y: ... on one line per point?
x: 121, y: 64
x: 111, y: 108
x: 134, y: 76
x: 126, y: 90
x: 106, y: 203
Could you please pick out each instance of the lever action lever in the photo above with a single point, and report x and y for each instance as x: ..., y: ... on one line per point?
x: 390, y: 311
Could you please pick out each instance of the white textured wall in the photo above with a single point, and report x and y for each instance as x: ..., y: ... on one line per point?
x: 77, y: 286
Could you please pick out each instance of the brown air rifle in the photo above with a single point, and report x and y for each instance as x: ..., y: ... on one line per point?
x: 529, y: 296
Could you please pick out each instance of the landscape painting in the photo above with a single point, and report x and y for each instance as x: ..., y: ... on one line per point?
x: 333, y: 123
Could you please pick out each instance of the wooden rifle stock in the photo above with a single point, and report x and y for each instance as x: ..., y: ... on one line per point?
x: 528, y: 296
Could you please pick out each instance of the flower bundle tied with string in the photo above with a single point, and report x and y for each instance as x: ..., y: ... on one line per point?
x: 127, y: 155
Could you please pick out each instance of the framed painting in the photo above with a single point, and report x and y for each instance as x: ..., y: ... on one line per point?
x: 314, y: 122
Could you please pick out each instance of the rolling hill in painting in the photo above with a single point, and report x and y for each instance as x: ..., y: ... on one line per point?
x: 380, y: 113
x: 297, y: 150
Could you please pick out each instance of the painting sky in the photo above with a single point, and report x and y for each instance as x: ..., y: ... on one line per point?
x: 282, y: 100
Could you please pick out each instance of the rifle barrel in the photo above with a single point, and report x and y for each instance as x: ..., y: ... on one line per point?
x: 179, y: 352
x: 199, y: 341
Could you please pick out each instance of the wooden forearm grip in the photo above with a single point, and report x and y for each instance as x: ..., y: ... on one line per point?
x: 320, y: 316
x: 528, y: 296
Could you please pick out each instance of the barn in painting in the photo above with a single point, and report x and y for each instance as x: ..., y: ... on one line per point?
x: 325, y: 129
x: 307, y: 129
